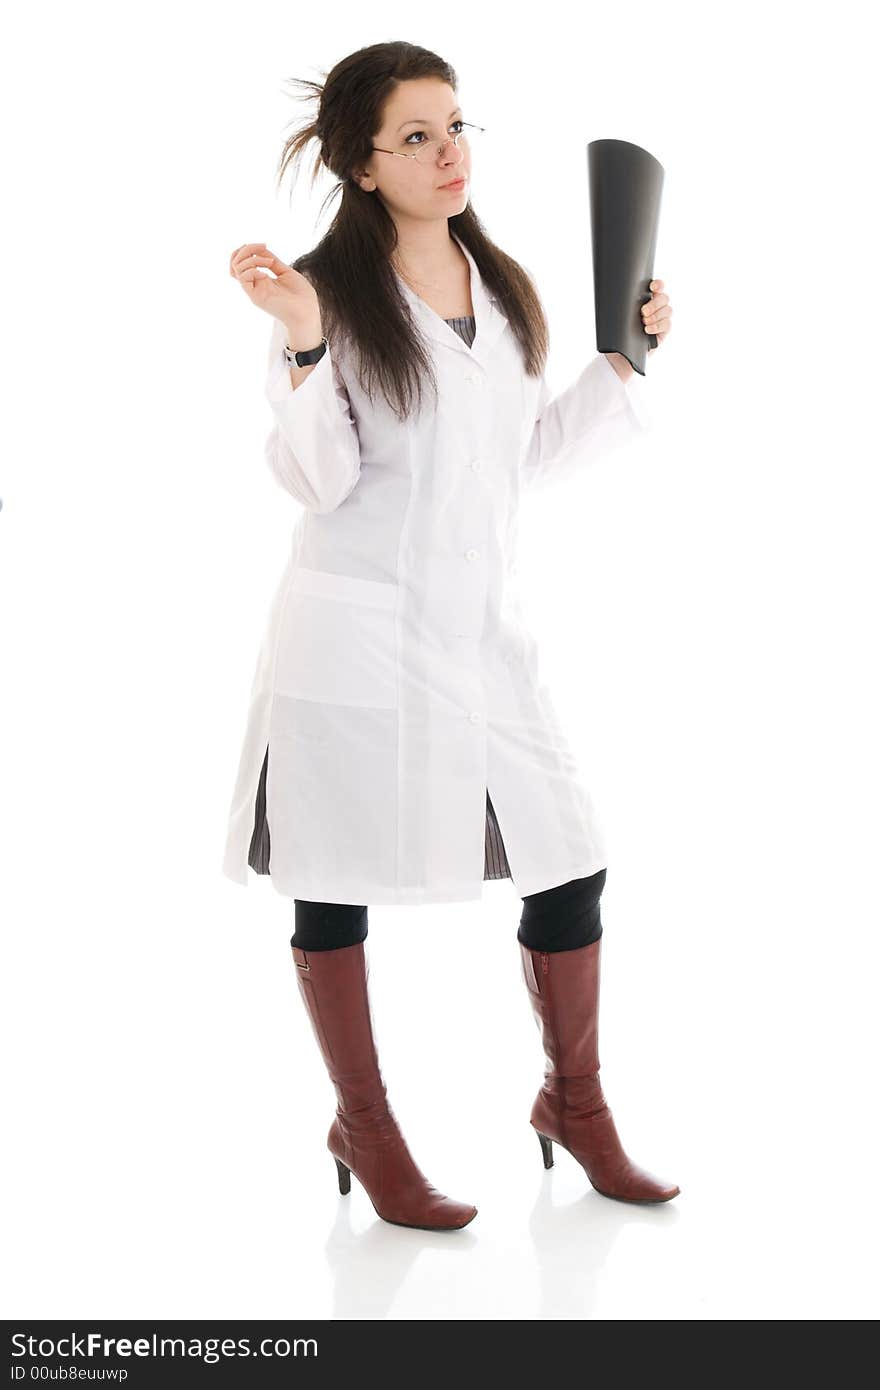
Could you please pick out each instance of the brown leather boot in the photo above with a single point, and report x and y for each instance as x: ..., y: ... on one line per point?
x: 364, y: 1137
x: 570, y: 1107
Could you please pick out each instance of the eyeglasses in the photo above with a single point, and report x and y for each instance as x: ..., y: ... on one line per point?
x: 427, y: 151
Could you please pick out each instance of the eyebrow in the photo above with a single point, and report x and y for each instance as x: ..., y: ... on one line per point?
x: 416, y: 119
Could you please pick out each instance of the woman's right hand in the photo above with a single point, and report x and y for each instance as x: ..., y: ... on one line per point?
x: 285, y: 293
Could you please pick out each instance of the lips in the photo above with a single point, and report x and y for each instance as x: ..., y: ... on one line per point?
x: 453, y: 182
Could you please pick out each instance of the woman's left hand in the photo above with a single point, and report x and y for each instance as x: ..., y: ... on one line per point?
x: 657, y: 313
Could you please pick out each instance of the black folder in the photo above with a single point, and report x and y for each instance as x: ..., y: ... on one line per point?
x: 626, y: 183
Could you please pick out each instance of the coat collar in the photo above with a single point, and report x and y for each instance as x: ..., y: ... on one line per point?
x: 489, y: 320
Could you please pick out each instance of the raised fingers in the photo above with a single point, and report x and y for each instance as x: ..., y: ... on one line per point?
x: 249, y: 272
x: 242, y: 253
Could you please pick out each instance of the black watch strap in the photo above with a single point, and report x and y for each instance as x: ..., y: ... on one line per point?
x: 307, y: 357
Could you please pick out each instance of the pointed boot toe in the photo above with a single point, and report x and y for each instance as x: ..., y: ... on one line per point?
x: 440, y: 1213
x: 638, y: 1185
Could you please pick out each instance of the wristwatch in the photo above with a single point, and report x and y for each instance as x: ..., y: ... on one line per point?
x: 307, y: 357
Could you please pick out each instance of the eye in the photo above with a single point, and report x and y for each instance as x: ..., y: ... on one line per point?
x: 421, y: 132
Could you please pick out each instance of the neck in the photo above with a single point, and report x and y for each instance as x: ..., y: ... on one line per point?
x: 424, y: 250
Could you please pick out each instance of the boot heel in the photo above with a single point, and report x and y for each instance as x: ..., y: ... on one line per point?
x: 343, y: 1173
x: 546, y: 1149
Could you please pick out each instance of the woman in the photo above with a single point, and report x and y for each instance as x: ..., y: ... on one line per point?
x: 397, y: 685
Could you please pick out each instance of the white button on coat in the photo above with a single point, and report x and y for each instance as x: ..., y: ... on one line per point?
x: 381, y: 648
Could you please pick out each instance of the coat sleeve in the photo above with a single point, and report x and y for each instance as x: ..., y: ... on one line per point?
x: 593, y: 416
x: 312, y: 450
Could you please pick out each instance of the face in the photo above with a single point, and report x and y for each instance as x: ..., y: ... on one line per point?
x: 419, y: 111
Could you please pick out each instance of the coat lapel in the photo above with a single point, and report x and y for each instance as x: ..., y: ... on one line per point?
x: 489, y: 320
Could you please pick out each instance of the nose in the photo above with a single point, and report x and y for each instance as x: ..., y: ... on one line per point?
x: 452, y: 153
x: 451, y: 148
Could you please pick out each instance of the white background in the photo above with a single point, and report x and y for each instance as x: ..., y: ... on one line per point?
x: 706, y: 606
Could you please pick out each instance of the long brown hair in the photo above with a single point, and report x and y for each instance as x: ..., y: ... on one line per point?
x: 350, y: 267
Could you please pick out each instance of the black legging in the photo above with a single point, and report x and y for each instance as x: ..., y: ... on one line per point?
x: 556, y: 919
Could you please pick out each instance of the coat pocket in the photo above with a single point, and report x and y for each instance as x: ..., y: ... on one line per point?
x: 338, y: 640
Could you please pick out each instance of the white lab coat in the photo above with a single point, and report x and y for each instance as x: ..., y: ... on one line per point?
x: 396, y: 679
